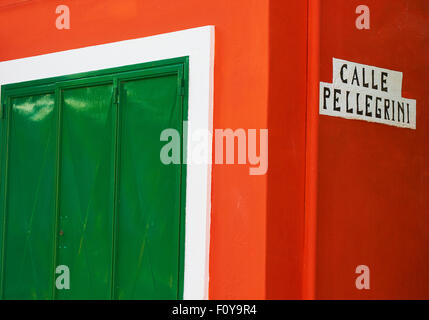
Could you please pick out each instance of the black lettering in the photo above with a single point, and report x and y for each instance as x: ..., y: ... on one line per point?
x: 357, y: 104
x: 401, y: 110
x: 336, y: 99
x: 368, y: 105
x: 383, y: 81
x: 393, y: 110
x: 347, y: 103
x: 342, y: 73
x: 374, y: 86
x: 365, y: 84
x: 386, y: 109
x: 326, y: 95
x: 355, y: 77
x: 377, y: 110
x: 408, y: 113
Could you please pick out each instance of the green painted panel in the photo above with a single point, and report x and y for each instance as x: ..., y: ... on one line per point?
x: 86, y: 191
x: 28, y: 249
x: 82, y: 185
x: 147, y: 265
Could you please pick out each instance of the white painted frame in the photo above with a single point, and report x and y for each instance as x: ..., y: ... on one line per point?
x: 198, y: 44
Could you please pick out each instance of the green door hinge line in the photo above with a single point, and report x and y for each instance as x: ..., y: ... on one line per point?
x: 116, y: 95
x: 182, y: 88
x: 3, y: 110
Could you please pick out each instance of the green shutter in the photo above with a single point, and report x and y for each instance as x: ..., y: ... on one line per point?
x: 147, y: 262
x: 86, y: 190
x: 29, y: 198
x: 82, y: 185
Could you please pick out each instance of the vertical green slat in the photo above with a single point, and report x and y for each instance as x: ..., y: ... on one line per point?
x: 87, y: 190
x: 58, y: 98
x: 116, y: 103
x: 181, y: 88
x: 183, y: 75
x: 6, y: 157
x: 149, y: 191
x: 28, y: 196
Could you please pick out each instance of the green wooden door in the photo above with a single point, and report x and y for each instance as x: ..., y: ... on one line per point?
x: 146, y: 185
x: 29, y: 198
x: 86, y: 190
x: 83, y: 185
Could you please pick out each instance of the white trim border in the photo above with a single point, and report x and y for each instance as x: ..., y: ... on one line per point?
x: 198, y: 44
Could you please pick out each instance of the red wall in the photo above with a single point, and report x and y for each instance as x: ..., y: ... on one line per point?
x: 238, y: 222
x: 373, y: 179
x: 287, y: 134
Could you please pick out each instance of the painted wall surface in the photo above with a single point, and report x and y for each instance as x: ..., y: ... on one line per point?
x: 373, y: 179
x: 238, y: 221
x: 287, y: 156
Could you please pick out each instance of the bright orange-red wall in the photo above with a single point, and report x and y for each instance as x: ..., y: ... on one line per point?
x: 287, y: 156
x: 373, y: 179
x: 238, y: 221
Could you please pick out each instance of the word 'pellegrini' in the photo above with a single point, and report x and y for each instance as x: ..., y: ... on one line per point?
x: 367, y: 93
x: 366, y: 104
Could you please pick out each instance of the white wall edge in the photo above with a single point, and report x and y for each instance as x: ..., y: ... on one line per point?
x: 198, y: 44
